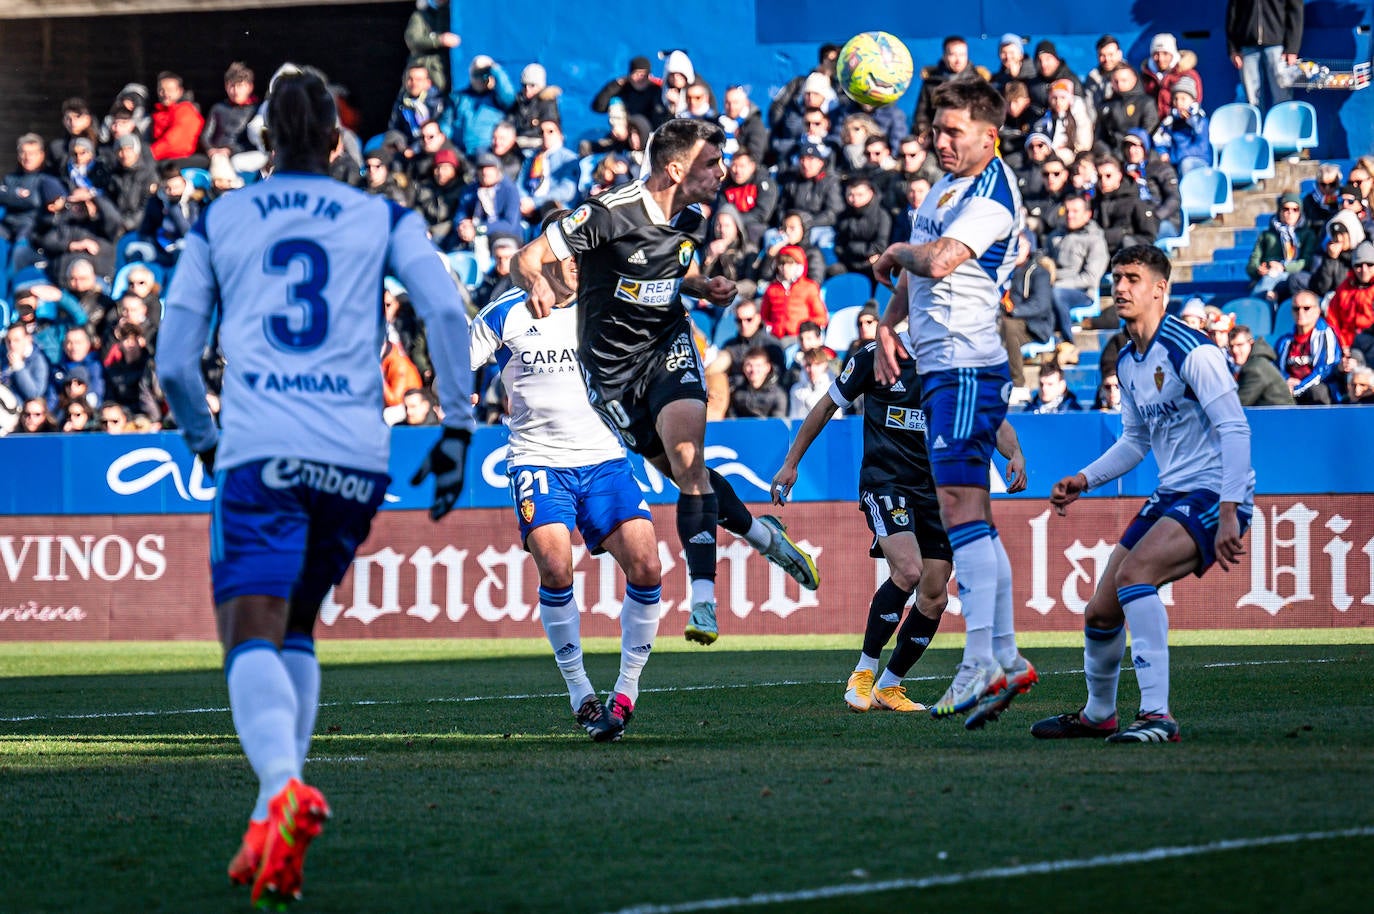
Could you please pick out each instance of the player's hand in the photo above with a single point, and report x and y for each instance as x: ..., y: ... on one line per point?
x: 207, y: 459
x: 889, y: 350
x: 1228, y: 543
x: 1016, y: 473
x: 445, y: 462
x: 1067, y: 490
x: 721, y: 291
x: 542, y: 298
x: 886, y: 265
x: 783, y: 480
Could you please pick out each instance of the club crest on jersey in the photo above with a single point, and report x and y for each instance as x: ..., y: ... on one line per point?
x: 527, y: 510
x: 900, y: 517
x: 684, y: 253
x: 576, y: 218
x: 1159, y: 377
x: 945, y: 197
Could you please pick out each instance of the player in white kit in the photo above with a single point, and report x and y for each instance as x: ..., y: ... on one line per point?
x: 1179, y: 402
x: 293, y: 266
x: 953, y: 273
x: 567, y: 470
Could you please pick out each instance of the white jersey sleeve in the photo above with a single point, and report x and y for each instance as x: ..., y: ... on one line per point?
x: 191, y: 305
x: 981, y: 223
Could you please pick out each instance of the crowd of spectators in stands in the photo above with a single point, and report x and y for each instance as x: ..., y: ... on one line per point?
x: 817, y: 186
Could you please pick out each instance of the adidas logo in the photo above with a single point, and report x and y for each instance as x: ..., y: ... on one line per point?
x: 923, y: 642
x: 690, y: 378
x: 566, y: 649
x: 939, y: 442
x: 899, y: 388
x: 704, y: 538
x: 642, y: 648
x: 890, y: 617
x: 963, y: 591
x: 638, y: 259
x: 1141, y: 663
x: 1184, y: 510
x: 533, y: 331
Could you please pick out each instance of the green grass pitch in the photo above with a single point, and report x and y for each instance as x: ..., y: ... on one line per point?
x: 459, y: 783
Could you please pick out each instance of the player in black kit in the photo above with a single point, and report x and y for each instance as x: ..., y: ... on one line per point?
x: 636, y: 249
x: 897, y: 495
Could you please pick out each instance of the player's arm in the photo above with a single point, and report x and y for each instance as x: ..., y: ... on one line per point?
x: 1009, y: 446
x: 527, y: 272
x: 890, y: 347
x: 585, y: 228
x: 191, y: 300
x: 1122, y: 457
x: 717, y: 290
x: 933, y: 260
x: 483, y: 341
x: 1206, y: 372
x: 810, y: 429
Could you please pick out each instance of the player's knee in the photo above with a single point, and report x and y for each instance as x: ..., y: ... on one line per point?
x: 1133, y: 570
x: 906, y: 575
x: 644, y: 570
x: 557, y: 576
x: 931, y: 603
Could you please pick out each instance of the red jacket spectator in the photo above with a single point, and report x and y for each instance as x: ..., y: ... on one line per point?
x: 793, y: 298
x: 1351, y: 308
x: 1166, y: 66
x: 176, y: 130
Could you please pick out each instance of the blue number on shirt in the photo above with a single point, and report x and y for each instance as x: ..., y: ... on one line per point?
x: 313, y: 318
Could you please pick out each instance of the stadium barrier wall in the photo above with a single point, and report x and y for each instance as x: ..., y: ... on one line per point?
x: 106, y: 538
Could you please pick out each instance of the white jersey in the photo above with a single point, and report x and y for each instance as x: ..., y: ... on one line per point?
x: 295, y: 266
x: 551, y: 422
x: 1170, y: 395
x: 954, y: 320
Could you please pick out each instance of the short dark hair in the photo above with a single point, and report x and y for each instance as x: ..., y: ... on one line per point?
x: 1050, y: 369
x: 815, y: 356
x: 75, y: 105
x: 1147, y: 255
x: 826, y: 50
x: 1015, y: 89
x: 1110, y: 159
x: 302, y: 121
x: 168, y: 74
x: 238, y: 72
x: 169, y: 169
x: 983, y: 102
x: 953, y: 39
x: 804, y: 326
x: 1106, y: 40
x: 674, y: 139
x: 1081, y: 198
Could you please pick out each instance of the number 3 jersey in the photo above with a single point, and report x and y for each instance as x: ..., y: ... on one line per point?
x: 551, y: 422
x: 295, y: 266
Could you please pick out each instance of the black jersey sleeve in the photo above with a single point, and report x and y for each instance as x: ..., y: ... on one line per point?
x: 857, y: 377
x: 585, y: 228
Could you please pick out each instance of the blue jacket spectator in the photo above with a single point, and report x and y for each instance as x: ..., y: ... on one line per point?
x: 1309, y: 357
x: 1182, y: 134
x: 77, y: 353
x: 417, y: 103
x: 491, y: 202
x: 52, y: 320
x: 1054, y: 395
x: 25, y: 370
x: 485, y: 102
x: 552, y: 173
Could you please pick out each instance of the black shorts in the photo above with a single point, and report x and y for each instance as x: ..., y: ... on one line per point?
x: 668, y: 374
x: 895, y: 510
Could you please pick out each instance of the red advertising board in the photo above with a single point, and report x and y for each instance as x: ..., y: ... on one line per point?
x: 1310, y: 564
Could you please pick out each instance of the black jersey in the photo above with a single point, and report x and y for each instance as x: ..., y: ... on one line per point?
x: 631, y: 263
x: 895, y: 452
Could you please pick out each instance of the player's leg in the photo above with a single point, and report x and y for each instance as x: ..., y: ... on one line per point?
x: 681, y: 426
x: 1018, y: 674
x: 921, y: 623
x: 634, y: 544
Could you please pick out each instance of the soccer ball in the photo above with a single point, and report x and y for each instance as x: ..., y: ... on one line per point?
x: 875, y: 68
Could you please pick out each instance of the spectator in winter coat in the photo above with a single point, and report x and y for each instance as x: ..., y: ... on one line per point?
x: 177, y: 123
x: 550, y: 176
x: 1324, y: 200
x: 171, y: 212
x: 437, y: 198
x: 813, y: 383
x: 418, y: 103
x: 1258, y: 380
x: 1066, y: 120
x: 1125, y: 218
x: 812, y: 117
x: 1264, y: 35
x: 133, y: 179
x: 25, y: 371
x: 226, y: 128
x: 1054, y: 395
x: 1156, y: 179
x: 1128, y: 108
x: 86, y: 226
x: 493, y: 203
x: 1282, y: 249
x: 1098, y: 88
x: 84, y: 286
x: 27, y: 196
x: 482, y: 104
x: 1351, y: 309
x: 1182, y: 135
x: 1166, y: 66
x: 1080, y: 256
x: 743, y: 125
x: 954, y: 64
x: 760, y: 396
x: 862, y: 230
x: 78, y: 352
x: 1049, y: 69
x: 429, y: 41
x: 794, y: 231
x: 792, y: 298
x: 1029, y: 306
x: 638, y: 91
x: 1331, y: 265
x: 77, y: 123
x: 752, y: 193
x: 535, y: 103
x: 1309, y: 355
x: 679, y: 73
x: 812, y: 188
x: 505, y: 146
x: 1011, y: 51
x: 917, y: 189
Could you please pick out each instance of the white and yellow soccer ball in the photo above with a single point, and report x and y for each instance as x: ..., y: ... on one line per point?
x: 874, y: 68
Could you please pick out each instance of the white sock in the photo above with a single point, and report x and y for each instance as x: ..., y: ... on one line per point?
x: 638, y: 626
x: 1102, y: 652
x: 760, y: 535
x: 1004, y: 612
x: 867, y: 663
x: 703, y: 590
x: 263, y: 703
x: 975, y: 564
x: 563, y: 626
x: 1149, y: 625
x: 888, y: 680
x: 298, y: 656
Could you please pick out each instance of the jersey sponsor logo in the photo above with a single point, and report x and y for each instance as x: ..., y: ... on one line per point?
x: 682, y: 355
x: 685, y: 249
x: 910, y: 420
x: 527, y: 509
x: 647, y: 291
x: 939, y: 443
x: 299, y: 383
x: 1163, y: 410
x: 288, y: 472
x: 576, y: 218
x: 900, y: 517
x: 638, y: 259
x: 548, y: 361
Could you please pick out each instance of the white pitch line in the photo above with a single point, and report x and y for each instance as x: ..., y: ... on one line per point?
x: 528, y: 696
x: 1152, y: 855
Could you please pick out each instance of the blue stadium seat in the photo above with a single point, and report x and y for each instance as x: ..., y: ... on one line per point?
x: 465, y: 267
x: 1229, y: 122
x: 1032, y: 350
x: 1291, y: 127
x: 586, y: 167
x: 725, y: 327
x: 1255, y: 313
x: 1179, y: 241
x: 1085, y: 311
x: 121, y: 278
x: 1247, y: 160
x: 843, y: 328
x: 1283, y: 320
x: 846, y: 290
x: 1206, y: 194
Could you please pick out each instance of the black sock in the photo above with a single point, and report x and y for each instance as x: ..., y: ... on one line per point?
x: 734, y: 516
x: 912, y: 642
x: 888, y: 601
x: 696, y: 527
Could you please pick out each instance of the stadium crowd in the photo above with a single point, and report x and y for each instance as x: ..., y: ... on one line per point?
x: 817, y: 187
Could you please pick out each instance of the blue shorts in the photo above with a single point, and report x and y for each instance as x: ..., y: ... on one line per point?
x: 289, y: 528
x: 594, y: 499
x: 1199, y: 512
x: 964, y: 408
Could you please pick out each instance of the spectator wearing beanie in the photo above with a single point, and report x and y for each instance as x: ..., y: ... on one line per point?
x: 1166, y: 66
x: 536, y: 102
